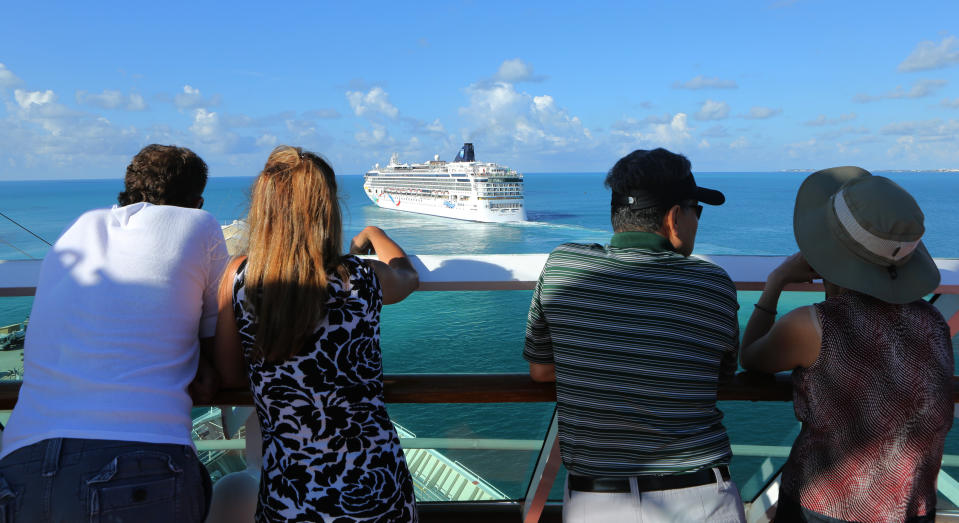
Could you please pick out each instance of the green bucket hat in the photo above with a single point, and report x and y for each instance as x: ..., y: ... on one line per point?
x: 862, y: 232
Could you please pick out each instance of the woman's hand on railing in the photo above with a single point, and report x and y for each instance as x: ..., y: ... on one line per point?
x: 794, y: 269
x: 396, y: 274
x: 360, y: 244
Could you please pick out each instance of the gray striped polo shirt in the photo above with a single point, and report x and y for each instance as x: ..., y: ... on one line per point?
x: 639, y: 336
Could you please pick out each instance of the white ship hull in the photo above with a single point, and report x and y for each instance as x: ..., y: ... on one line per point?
x: 460, y: 210
x: 463, y: 189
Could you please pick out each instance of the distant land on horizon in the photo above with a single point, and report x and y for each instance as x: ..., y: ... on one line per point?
x: 952, y: 170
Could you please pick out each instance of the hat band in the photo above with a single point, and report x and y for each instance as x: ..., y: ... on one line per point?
x: 636, y: 200
x: 892, y: 251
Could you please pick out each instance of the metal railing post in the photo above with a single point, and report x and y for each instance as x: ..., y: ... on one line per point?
x: 547, y: 466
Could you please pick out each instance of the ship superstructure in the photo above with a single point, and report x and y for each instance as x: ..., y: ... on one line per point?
x: 463, y: 189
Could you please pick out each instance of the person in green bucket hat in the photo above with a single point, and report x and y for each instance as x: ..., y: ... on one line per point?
x: 872, y: 364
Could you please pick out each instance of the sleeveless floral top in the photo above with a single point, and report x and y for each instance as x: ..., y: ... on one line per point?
x: 330, y: 452
x: 875, y: 407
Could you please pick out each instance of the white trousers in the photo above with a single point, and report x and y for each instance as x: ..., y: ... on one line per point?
x: 713, y: 503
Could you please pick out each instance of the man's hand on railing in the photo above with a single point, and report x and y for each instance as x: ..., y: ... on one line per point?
x: 205, y: 384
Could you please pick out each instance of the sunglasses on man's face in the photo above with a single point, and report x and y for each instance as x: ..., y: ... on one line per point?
x: 698, y: 208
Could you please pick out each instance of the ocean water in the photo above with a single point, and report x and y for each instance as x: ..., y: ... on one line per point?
x: 466, y: 332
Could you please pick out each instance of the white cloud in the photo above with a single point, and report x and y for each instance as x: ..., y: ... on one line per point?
x: 7, y: 78
x: 241, y: 120
x: 375, y: 101
x: 835, y: 134
x: 927, y: 128
x: 112, y: 99
x: 930, y: 55
x: 209, y: 130
x: 632, y: 123
x: 436, y: 127
x: 716, y: 131
x: 300, y: 128
x: 205, y: 124
x: 322, y: 114
x: 921, y: 89
x: 191, y: 98
x: 863, y: 140
x: 704, y: 82
x: 267, y: 140
x: 673, y: 133
x: 136, y: 103
x: 515, y: 71
x: 924, y: 141
x: 502, y: 117
x: 40, y: 130
x: 761, y: 113
x: 712, y: 110
x: 739, y: 143
x: 803, y: 149
x: 374, y: 137
x: 25, y: 99
x: 824, y: 120
x: 952, y: 104
x: 928, y: 147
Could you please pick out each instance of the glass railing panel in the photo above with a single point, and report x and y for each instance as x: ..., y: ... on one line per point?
x: 220, y: 447
x: 761, y: 434
x: 948, y: 483
x: 455, y: 332
x: 14, y: 314
x: 455, y: 452
x: 493, y: 446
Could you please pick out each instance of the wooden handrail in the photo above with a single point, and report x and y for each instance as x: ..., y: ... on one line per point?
x: 501, y: 388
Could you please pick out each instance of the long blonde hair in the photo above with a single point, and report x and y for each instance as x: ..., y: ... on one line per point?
x: 295, y: 240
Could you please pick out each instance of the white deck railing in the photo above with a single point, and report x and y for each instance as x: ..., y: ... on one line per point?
x: 504, y: 272
x: 520, y: 272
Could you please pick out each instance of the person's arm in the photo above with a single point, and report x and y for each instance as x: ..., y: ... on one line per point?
x: 227, y: 351
x: 729, y: 363
x: 542, y: 372
x: 396, y: 274
x: 793, y: 341
x: 538, y: 350
x: 206, y: 383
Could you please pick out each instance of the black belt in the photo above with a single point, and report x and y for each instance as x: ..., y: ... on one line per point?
x: 646, y: 483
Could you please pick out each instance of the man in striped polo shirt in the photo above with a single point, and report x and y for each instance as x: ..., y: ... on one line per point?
x: 637, y: 336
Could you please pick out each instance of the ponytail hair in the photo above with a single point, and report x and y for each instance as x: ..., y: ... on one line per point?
x: 295, y: 240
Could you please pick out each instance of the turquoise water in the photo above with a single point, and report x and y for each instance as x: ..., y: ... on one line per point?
x: 483, y: 331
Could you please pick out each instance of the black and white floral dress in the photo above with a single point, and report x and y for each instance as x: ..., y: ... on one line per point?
x: 330, y: 452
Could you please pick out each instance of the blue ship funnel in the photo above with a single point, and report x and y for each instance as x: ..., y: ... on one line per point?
x: 466, y: 154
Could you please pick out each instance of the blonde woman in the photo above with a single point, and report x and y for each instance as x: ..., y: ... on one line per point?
x: 299, y: 324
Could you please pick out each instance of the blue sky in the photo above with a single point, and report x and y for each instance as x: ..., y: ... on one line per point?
x: 540, y: 86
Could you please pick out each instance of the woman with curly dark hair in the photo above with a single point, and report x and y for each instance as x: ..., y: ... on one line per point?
x: 304, y: 322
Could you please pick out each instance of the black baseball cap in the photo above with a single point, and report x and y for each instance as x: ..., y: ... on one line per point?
x: 656, y: 178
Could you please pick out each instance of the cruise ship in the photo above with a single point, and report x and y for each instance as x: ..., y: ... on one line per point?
x: 464, y: 188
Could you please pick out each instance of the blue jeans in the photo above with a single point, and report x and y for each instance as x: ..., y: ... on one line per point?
x: 63, y: 479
